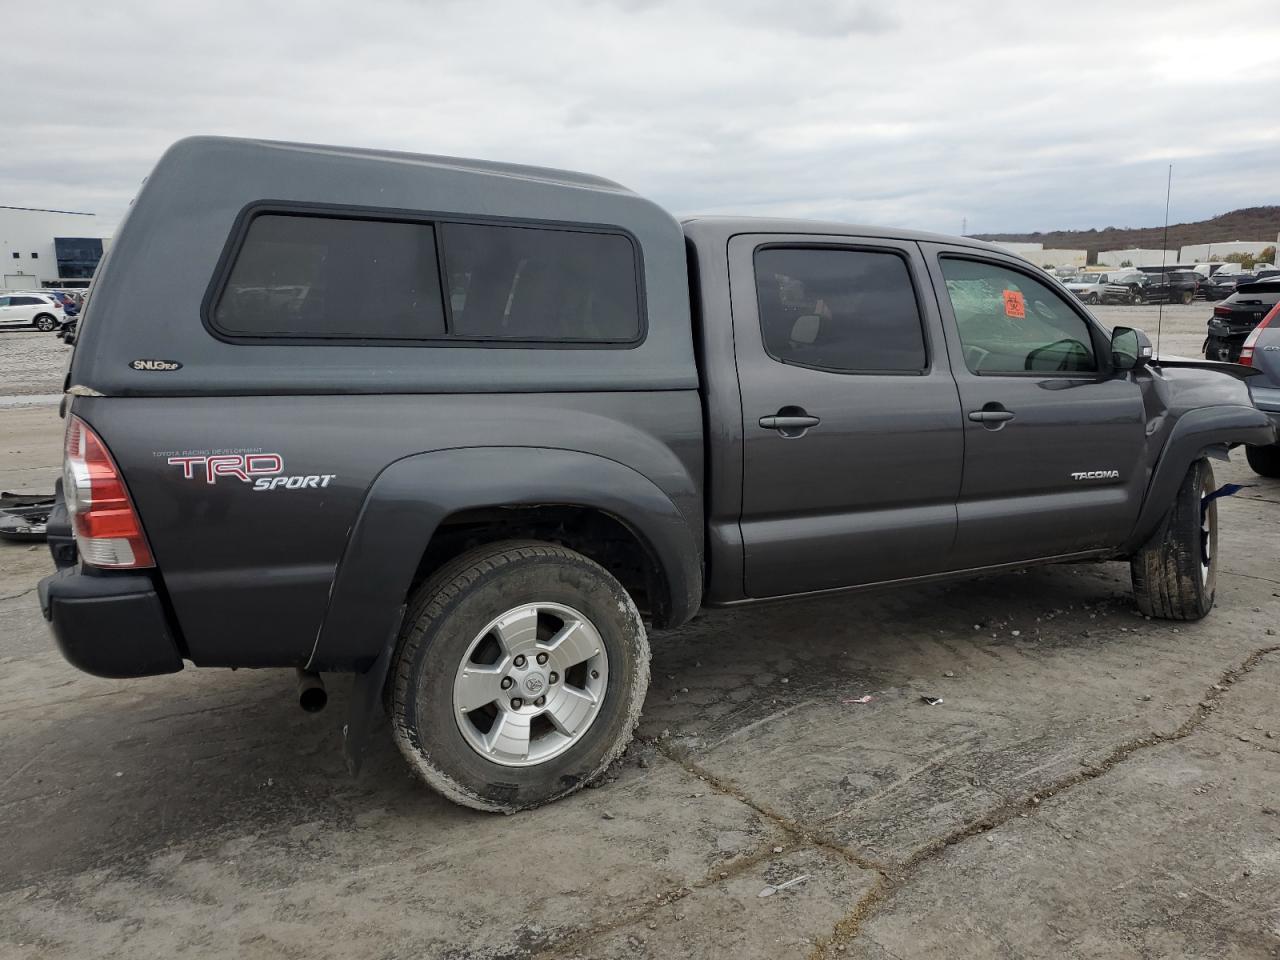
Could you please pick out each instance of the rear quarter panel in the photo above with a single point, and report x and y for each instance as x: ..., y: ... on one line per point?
x: 248, y: 572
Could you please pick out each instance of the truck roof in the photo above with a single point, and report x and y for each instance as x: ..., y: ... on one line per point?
x: 730, y: 226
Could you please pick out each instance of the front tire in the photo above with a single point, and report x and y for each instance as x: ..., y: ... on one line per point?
x: 1091, y: 299
x: 520, y: 674
x: 1187, y: 296
x: 1175, y: 574
x: 44, y: 323
x: 1264, y: 461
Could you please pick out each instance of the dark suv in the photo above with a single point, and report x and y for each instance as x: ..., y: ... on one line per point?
x: 466, y: 429
x: 1235, y: 318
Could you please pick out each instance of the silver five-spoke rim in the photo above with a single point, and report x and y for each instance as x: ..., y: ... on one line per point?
x: 530, y: 684
x: 1208, y: 513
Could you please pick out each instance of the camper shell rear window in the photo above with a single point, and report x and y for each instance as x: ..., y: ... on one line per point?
x: 344, y: 276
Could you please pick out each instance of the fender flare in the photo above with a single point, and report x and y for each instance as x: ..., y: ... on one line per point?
x: 407, y: 501
x: 1194, y: 433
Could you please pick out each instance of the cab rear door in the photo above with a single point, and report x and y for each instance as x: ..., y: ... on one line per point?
x: 851, y: 422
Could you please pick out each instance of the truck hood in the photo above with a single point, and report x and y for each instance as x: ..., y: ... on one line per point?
x: 1237, y: 370
x: 1173, y: 387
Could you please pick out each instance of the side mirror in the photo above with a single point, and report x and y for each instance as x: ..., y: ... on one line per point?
x: 1130, y: 348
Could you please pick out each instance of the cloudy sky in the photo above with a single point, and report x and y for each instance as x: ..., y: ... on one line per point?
x: 1014, y: 115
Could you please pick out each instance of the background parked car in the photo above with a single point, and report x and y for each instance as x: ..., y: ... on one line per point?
x: 1237, y: 316
x: 1174, y: 286
x: 1261, y: 350
x: 1125, y: 288
x: 37, y: 310
x: 1222, y: 285
x: 1089, y: 287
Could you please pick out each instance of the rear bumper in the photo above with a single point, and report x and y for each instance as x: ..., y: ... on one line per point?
x: 109, y: 626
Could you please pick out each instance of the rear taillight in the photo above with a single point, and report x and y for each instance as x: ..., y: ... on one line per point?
x: 1246, y: 352
x: 1222, y: 311
x: 108, y: 531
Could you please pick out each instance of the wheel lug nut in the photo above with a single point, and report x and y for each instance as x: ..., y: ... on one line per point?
x: 542, y: 658
x: 540, y: 701
x: 517, y: 703
x: 520, y: 661
x: 552, y: 677
x: 506, y: 683
x: 595, y: 674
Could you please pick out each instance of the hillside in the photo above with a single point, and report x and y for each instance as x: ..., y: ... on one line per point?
x: 1251, y: 223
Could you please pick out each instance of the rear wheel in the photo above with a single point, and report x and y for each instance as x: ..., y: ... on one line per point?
x: 1265, y: 461
x: 1175, y: 574
x: 520, y: 675
x: 44, y: 322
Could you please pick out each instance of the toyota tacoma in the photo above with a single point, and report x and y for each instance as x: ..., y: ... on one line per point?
x: 466, y: 429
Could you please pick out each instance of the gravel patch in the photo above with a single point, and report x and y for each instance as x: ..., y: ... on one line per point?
x: 31, y: 362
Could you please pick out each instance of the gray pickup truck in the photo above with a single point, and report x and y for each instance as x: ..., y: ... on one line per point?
x: 462, y: 428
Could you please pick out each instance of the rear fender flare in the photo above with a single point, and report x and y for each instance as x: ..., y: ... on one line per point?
x: 409, y: 499
x: 1195, y: 434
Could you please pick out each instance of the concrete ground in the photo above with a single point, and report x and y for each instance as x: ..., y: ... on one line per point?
x: 1093, y: 784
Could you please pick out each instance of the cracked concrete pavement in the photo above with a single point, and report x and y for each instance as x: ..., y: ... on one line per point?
x: 1093, y: 784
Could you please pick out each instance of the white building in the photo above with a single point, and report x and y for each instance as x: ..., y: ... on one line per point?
x: 48, y: 248
x: 1210, y: 252
x: 1137, y: 257
x: 1037, y: 254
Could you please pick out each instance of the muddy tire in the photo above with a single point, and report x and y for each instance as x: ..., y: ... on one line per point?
x: 1175, y: 574
x: 519, y: 677
x: 1264, y: 461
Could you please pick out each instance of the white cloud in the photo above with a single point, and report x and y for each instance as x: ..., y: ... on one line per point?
x: 1016, y: 115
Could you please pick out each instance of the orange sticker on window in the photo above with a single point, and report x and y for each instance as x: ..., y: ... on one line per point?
x: 1014, y: 305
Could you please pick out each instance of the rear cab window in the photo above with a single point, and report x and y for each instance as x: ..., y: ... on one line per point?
x: 840, y: 310
x: 341, y: 278
x: 1009, y: 322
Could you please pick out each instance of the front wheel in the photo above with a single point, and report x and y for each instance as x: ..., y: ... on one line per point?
x: 1175, y: 574
x: 44, y: 323
x: 1264, y: 461
x: 520, y: 675
x: 1091, y: 299
x: 1187, y: 296
x: 1136, y: 297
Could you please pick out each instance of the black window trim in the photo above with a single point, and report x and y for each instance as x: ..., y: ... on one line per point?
x: 856, y: 246
x: 1099, y: 339
x: 240, y: 229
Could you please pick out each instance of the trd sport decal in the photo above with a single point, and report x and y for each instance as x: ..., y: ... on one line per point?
x: 263, y: 470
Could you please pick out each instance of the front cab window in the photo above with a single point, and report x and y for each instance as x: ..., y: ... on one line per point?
x: 1011, y: 323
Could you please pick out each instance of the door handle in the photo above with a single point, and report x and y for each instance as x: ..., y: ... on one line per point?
x: 790, y: 421
x: 990, y: 416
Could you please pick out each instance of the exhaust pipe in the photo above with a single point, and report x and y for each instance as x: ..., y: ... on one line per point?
x: 311, y: 693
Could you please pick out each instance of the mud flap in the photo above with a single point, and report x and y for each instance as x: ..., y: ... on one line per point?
x: 366, y: 702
